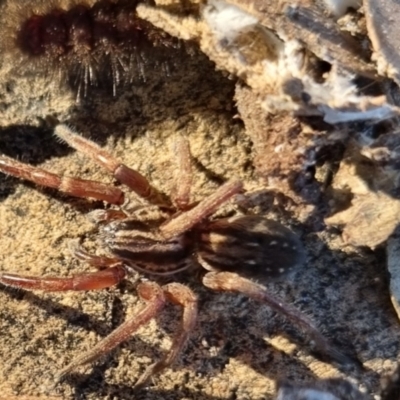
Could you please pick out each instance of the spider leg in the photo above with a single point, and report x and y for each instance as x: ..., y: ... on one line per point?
x: 131, y: 178
x: 185, y: 221
x: 91, y: 281
x: 153, y: 294
x: 183, y: 178
x: 72, y: 186
x: 99, y: 262
x: 230, y: 282
x: 183, y: 296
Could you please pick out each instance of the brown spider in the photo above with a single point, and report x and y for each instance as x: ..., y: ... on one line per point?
x: 230, y: 249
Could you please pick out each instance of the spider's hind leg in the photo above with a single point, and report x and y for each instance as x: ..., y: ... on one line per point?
x: 231, y: 282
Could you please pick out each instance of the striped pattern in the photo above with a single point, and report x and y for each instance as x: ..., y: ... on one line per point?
x: 251, y: 246
x: 141, y: 247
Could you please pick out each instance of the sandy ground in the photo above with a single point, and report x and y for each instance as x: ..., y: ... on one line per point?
x: 240, y: 349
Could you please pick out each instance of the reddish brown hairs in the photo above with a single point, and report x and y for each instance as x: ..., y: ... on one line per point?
x: 82, y: 41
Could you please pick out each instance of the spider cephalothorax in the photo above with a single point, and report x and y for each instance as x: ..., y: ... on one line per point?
x: 177, y: 235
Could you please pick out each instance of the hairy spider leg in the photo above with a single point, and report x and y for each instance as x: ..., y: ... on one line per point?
x: 187, y: 220
x: 72, y: 186
x: 181, y: 295
x: 102, y: 279
x: 153, y: 295
x: 129, y: 177
x: 231, y: 282
x: 183, y: 178
x: 156, y: 298
x: 90, y: 281
x: 99, y: 262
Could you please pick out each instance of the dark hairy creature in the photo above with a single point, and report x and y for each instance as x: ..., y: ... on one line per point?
x: 83, y: 41
x: 171, y: 236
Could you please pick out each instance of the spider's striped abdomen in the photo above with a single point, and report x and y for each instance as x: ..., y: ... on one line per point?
x: 252, y: 246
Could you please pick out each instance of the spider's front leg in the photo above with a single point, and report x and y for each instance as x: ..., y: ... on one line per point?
x: 81, y: 187
x: 183, y: 176
x: 91, y: 281
x: 231, y: 282
x: 129, y: 177
x: 73, y: 186
x: 187, y: 220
